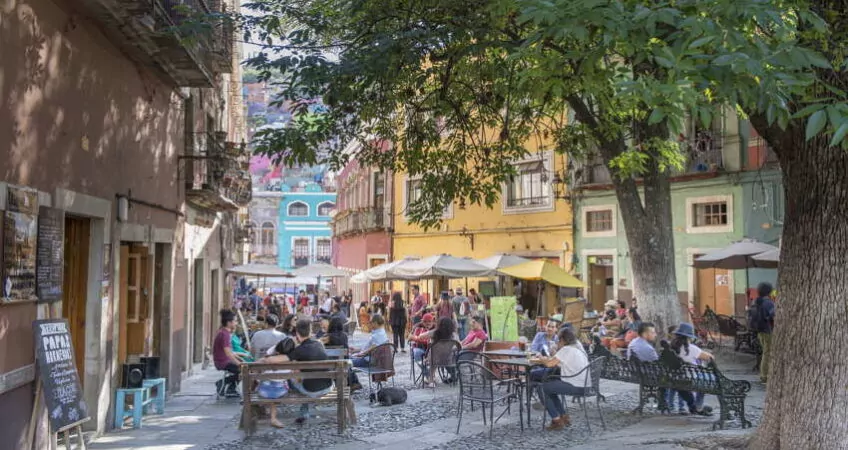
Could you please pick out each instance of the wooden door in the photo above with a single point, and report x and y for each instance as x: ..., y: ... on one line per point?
x: 134, y: 313
x: 378, y: 286
x: 713, y: 290
x: 75, y: 284
x: 598, y: 286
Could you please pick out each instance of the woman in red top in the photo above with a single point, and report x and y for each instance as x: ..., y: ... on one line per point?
x: 476, y: 338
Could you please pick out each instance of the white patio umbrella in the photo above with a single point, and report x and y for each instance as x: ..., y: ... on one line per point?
x: 501, y: 261
x: 320, y: 270
x: 767, y: 260
x: 259, y: 270
x: 440, y: 266
x: 380, y: 272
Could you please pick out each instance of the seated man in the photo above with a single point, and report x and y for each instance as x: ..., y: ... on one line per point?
x: 308, y: 349
x: 544, y: 343
x: 224, y: 357
x: 420, y: 337
x: 642, y: 349
x: 267, y: 338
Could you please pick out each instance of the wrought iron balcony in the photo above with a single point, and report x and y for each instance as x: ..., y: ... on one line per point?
x: 356, y: 221
x: 217, y: 173
x: 187, y: 42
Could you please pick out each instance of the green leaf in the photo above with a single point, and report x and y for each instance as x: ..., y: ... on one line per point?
x: 817, y: 60
x: 815, y: 124
x: 701, y: 42
x: 665, y: 62
x: 808, y: 110
x: 657, y: 115
x: 723, y: 60
x: 839, y: 135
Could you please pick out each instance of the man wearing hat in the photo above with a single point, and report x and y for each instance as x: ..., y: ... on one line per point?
x: 419, y: 338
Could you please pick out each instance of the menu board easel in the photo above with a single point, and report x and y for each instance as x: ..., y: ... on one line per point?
x: 59, y: 384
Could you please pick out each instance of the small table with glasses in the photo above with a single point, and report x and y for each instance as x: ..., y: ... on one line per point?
x: 524, y: 365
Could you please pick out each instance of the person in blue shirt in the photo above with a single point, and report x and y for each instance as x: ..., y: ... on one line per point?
x: 378, y: 337
x: 761, y: 320
x: 545, y: 339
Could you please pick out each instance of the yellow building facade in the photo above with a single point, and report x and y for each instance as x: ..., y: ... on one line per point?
x: 528, y: 220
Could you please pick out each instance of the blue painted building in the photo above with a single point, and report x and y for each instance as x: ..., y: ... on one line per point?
x: 304, y: 235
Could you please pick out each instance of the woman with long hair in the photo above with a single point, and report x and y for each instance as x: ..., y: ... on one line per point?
x: 397, y: 319
x: 681, y: 343
x: 364, y: 317
x: 570, y: 360
x: 288, y: 325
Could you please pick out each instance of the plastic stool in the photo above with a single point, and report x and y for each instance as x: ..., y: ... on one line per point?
x: 121, y: 412
x: 159, y: 400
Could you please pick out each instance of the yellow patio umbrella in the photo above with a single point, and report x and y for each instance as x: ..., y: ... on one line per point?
x: 537, y: 270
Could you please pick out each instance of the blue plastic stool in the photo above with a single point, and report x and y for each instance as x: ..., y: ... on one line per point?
x: 159, y: 400
x: 121, y: 411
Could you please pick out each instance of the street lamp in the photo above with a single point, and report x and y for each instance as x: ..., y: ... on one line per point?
x: 560, y: 187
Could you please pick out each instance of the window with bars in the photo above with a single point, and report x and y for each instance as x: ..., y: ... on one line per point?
x: 267, y: 238
x: 529, y: 187
x: 599, y: 221
x: 323, y: 250
x: 298, y: 209
x: 325, y: 208
x: 709, y: 214
x: 300, y: 252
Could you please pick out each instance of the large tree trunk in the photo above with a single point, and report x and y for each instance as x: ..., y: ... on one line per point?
x: 650, y: 240
x: 807, y: 398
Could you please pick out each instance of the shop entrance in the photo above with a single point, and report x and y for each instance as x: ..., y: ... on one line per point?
x: 713, y: 289
x: 135, y: 328
x: 600, y: 281
x: 75, y: 284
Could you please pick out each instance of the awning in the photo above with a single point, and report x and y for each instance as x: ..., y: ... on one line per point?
x: 540, y: 270
x: 767, y: 260
x: 380, y: 272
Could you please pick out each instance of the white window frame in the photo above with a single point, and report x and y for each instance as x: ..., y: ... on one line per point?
x: 318, y: 208
x: 273, y: 245
x: 547, y: 159
x: 584, y: 229
x: 288, y: 208
x: 690, y: 214
x: 315, y: 242
x: 309, y: 244
x: 448, y: 214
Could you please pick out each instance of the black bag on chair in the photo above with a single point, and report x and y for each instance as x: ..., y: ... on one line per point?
x: 389, y: 396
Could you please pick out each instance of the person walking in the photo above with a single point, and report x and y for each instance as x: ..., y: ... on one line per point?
x: 761, y: 320
x: 462, y: 310
x: 397, y: 319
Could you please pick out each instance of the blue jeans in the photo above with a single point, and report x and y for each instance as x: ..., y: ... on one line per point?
x: 550, y: 392
x: 361, y: 361
x: 418, y: 357
x: 669, y: 400
x: 304, y: 408
x: 462, y: 328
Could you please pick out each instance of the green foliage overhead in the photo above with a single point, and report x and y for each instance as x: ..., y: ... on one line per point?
x: 460, y: 88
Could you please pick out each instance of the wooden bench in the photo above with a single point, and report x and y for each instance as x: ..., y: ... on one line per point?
x: 671, y: 373
x: 336, y: 370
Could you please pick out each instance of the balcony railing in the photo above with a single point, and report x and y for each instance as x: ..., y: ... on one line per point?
x: 218, y: 175
x: 357, y: 221
x: 187, y: 42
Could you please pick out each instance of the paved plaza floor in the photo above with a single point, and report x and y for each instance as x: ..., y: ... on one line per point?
x: 195, y: 419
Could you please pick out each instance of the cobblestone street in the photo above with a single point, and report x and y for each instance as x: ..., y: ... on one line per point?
x: 195, y: 420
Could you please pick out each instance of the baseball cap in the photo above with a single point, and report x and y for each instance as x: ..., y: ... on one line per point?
x: 427, y: 317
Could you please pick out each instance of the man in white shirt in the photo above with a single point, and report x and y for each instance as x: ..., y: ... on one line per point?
x: 267, y: 338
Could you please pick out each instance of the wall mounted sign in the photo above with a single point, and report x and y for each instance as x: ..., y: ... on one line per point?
x: 50, y: 254
x: 20, y: 233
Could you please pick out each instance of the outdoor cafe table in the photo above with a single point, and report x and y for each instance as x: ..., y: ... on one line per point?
x: 506, y: 353
x: 525, y: 365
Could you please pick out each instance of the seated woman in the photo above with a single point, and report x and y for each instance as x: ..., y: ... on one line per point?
x: 336, y: 337
x: 419, y: 338
x: 287, y: 327
x: 378, y: 337
x: 276, y: 388
x: 570, y: 360
x: 238, y: 349
x: 628, y: 332
x: 444, y: 331
x: 475, y: 340
x: 364, y: 317
x: 690, y: 353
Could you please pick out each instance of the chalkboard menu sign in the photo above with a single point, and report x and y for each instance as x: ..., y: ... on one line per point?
x: 50, y: 254
x: 54, y: 356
